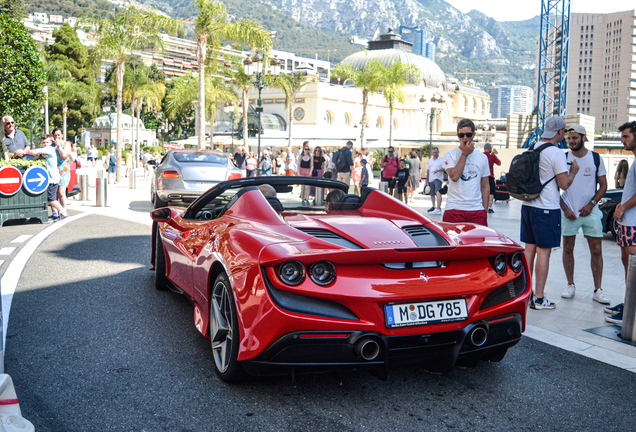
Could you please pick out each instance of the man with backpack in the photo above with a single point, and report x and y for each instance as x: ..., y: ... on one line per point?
x: 541, y: 217
x: 580, y: 211
x: 390, y: 164
x: 343, y: 161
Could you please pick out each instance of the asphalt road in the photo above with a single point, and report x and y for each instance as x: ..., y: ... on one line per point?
x: 92, y: 346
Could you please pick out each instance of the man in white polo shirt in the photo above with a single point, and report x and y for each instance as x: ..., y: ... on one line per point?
x: 579, y: 210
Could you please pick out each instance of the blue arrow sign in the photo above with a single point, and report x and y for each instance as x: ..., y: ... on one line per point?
x: 36, y: 180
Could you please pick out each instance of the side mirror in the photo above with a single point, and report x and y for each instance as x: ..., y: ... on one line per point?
x: 161, y: 215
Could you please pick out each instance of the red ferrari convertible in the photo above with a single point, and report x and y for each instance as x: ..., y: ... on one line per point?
x: 361, y: 282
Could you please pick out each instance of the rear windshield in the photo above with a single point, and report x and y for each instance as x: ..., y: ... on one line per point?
x: 200, y: 157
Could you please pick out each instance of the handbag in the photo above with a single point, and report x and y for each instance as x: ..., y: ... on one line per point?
x: 106, y: 164
x: 314, y: 173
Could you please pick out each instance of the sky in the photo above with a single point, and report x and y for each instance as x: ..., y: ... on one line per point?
x: 503, y: 10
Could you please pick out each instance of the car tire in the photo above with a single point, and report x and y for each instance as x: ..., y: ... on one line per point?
x: 613, y: 225
x: 224, y: 331
x: 161, y: 280
x: 159, y: 203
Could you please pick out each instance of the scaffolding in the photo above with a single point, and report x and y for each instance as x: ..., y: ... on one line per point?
x: 552, y: 76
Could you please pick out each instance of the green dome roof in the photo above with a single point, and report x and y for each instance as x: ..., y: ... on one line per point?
x: 431, y: 73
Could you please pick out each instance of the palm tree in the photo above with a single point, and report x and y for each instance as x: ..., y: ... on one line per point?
x: 370, y: 80
x: 395, y: 77
x: 186, y: 92
x: 130, y: 29
x: 211, y: 29
x: 151, y: 95
x: 241, y: 81
x: 291, y: 85
x: 135, y: 78
x: 65, y: 91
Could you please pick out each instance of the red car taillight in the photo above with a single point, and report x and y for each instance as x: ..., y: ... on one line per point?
x: 234, y: 176
x: 170, y: 174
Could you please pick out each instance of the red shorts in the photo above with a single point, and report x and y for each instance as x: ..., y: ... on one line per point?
x: 479, y: 217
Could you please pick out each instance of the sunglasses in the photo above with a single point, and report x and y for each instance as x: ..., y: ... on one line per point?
x: 9, y: 122
x: 467, y: 134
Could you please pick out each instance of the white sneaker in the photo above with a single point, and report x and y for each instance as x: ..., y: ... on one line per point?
x: 436, y: 211
x: 600, y: 297
x: 569, y: 292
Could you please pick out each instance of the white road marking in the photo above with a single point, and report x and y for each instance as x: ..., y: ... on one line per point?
x: 7, y: 250
x: 21, y: 239
x: 12, y: 275
x: 1, y: 262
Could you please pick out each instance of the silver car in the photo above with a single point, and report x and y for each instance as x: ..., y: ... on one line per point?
x: 183, y: 175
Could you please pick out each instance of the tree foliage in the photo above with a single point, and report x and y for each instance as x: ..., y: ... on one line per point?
x: 71, y: 83
x: 21, y: 71
x: 13, y: 9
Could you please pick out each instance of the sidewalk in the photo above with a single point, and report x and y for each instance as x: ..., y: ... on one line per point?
x: 563, y: 327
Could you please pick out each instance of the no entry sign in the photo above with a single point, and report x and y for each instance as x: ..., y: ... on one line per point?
x: 10, y: 180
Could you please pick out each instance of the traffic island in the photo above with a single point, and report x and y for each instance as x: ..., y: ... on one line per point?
x: 23, y: 187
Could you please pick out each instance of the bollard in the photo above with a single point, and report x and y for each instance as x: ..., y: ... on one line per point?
x: 132, y: 180
x: 100, y: 173
x: 100, y: 192
x: 384, y: 187
x: 83, y: 181
x: 628, y: 330
x: 320, y: 196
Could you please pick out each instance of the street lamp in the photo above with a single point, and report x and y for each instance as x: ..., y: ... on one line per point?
x: 437, y: 106
x: 254, y: 67
x: 106, y: 109
x: 229, y: 110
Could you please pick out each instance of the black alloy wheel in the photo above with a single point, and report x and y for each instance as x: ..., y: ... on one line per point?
x: 161, y: 281
x: 224, y: 331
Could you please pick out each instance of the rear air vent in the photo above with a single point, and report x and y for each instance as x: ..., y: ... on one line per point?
x: 424, y: 237
x: 330, y: 237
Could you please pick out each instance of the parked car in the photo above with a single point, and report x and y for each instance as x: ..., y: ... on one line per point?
x: 368, y: 282
x: 183, y: 175
x: 607, y: 205
x: 73, y: 186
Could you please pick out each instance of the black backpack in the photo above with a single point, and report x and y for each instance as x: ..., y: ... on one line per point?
x: 523, y: 181
x: 334, y: 159
x: 341, y: 161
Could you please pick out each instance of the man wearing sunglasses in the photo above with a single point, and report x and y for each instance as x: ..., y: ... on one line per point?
x: 14, y: 139
x: 468, y: 172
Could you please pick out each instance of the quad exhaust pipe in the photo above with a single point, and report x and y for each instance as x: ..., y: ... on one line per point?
x: 478, y: 335
x: 367, y: 348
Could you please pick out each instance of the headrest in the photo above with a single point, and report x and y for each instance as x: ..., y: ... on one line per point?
x: 275, y: 203
x: 348, y: 202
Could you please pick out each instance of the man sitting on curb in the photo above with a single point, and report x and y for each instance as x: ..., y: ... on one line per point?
x: 579, y: 210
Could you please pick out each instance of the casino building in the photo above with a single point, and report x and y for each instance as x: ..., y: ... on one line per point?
x: 330, y: 113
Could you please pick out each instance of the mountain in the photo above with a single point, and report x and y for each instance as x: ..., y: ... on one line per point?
x: 471, y: 42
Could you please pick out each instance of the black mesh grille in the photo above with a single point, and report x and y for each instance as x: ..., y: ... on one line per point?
x: 424, y: 237
x: 330, y: 237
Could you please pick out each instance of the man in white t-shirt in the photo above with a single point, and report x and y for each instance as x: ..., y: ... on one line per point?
x: 435, y: 178
x: 541, y: 217
x: 579, y: 210
x: 468, y: 172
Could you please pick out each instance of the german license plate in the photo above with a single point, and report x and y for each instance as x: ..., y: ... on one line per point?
x: 410, y: 314
x: 200, y: 184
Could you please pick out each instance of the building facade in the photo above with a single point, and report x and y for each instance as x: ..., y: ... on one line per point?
x: 511, y: 100
x: 602, y: 76
x: 330, y: 113
x: 419, y: 38
x: 105, y: 129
